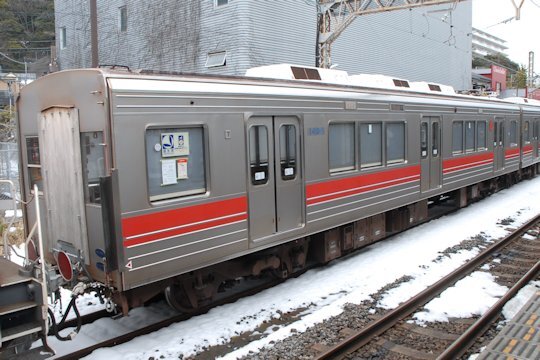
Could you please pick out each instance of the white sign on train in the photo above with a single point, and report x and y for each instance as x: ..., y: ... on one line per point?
x: 174, y: 144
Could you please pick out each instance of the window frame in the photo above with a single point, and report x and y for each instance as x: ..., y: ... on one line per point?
x: 122, y: 18
x: 466, y: 135
x: 217, y: 3
x: 382, y: 143
x: 204, y: 148
x: 526, y: 132
x: 462, y: 140
x: 62, y: 38
x: 92, y: 191
x: 33, y: 167
x: 290, y: 151
x: 485, y: 137
x: 343, y: 169
x: 216, y: 59
x: 257, y: 168
x: 513, y: 138
x: 386, y: 160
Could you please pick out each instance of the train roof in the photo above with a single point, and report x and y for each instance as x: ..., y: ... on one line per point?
x: 259, y: 81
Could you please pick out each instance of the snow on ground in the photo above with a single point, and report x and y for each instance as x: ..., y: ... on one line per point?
x: 513, y: 306
x: 321, y: 293
x: 482, y: 293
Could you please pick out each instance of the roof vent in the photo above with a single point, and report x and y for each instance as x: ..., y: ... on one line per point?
x: 434, y: 87
x: 296, y: 72
x: 301, y: 73
x: 401, y: 83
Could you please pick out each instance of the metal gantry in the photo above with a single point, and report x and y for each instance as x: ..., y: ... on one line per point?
x: 334, y: 17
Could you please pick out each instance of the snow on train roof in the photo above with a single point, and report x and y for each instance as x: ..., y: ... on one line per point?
x: 520, y: 100
x: 295, y: 72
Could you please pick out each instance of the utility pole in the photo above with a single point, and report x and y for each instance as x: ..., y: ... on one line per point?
x: 531, y: 69
x: 94, y: 33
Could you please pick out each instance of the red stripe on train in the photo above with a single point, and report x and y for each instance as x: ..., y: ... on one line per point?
x: 527, y: 149
x: 511, y: 153
x: 339, y: 188
x: 150, y: 227
x: 466, y: 162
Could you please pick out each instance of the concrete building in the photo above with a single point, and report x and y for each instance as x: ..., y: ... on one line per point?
x: 495, y: 76
x: 229, y: 36
x: 484, y: 43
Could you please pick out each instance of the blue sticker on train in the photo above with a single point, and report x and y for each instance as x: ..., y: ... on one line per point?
x: 100, y: 253
x: 316, y: 131
x: 100, y: 266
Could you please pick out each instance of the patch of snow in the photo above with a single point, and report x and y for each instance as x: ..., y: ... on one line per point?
x: 481, y: 293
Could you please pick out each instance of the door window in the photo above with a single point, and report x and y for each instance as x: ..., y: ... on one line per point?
x: 287, y: 141
x: 435, y: 137
x: 258, y: 160
x: 423, y: 140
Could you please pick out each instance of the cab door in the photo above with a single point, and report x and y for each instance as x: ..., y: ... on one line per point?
x: 498, y: 143
x: 430, y: 153
x: 275, y: 185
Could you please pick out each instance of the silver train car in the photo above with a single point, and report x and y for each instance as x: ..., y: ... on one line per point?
x: 179, y: 183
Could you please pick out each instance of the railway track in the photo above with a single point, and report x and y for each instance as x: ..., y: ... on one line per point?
x: 169, y: 321
x: 391, y: 336
x: 412, y: 305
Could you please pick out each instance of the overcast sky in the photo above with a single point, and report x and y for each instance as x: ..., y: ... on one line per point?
x: 521, y: 35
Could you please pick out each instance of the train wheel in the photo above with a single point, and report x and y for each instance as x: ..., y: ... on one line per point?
x: 177, y: 298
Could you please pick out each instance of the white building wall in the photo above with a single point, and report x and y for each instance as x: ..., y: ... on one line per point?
x: 171, y: 35
x: 417, y: 44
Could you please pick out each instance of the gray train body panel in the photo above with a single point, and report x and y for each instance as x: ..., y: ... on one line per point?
x: 207, y: 169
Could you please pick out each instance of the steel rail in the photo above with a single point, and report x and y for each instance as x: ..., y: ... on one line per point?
x: 167, y: 322
x: 467, y: 339
x: 365, y: 335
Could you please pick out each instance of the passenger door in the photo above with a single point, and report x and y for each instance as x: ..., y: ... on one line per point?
x: 498, y: 143
x: 430, y: 153
x: 275, y: 190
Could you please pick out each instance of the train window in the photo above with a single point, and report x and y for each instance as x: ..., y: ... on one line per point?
x: 258, y: 154
x: 457, y: 137
x: 469, y: 136
x: 34, y: 162
x: 481, y: 141
x: 175, y: 162
x: 526, y: 132
x: 435, y: 139
x: 423, y: 140
x: 93, y: 164
x: 287, y: 141
x: 512, y: 134
x: 341, y: 146
x: 370, y: 144
x: 395, y: 142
